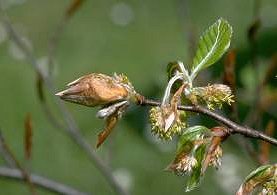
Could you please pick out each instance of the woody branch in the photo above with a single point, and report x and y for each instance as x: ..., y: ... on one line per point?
x: 234, y: 128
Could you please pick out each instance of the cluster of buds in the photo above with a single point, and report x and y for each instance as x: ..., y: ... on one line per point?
x: 213, y: 95
x: 182, y: 164
x: 215, y: 159
x: 161, y: 122
x: 167, y: 120
x: 270, y: 187
x: 114, y: 94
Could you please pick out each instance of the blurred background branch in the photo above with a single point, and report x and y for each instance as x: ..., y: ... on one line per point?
x: 71, y: 126
x: 12, y: 161
x: 39, y: 181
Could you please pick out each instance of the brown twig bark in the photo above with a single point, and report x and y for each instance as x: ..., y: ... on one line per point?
x: 233, y: 127
x: 39, y: 181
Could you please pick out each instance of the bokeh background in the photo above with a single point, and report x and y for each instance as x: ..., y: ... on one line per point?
x: 137, y: 38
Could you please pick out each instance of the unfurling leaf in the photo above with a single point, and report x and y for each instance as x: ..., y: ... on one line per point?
x: 28, y: 135
x: 212, y: 45
x: 192, y: 134
x: 195, y: 176
x: 198, y: 148
x: 195, y: 135
x: 190, y: 153
x: 265, y: 177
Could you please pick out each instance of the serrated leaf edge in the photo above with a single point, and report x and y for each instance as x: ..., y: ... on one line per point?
x: 198, y: 67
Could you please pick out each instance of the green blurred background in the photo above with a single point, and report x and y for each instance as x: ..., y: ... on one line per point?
x: 137, y: 38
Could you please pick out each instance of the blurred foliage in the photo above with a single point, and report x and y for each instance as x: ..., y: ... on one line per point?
x: 94, y: 41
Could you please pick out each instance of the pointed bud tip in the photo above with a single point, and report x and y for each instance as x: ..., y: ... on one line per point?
x: 59, y: 94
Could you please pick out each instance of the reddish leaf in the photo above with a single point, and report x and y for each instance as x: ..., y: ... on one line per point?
x: 219, y: 135
x: 214, y: 144
x: 28, y: 136
x: 110, y: 124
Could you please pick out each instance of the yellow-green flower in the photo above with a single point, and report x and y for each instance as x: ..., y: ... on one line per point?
x: 213, y: 95
x: 164, y: 123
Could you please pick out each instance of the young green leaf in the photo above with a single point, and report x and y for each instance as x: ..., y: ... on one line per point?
x: 195, y: 176
x: 191, y: 134
x: 190, y: 154
x: 212, y: 45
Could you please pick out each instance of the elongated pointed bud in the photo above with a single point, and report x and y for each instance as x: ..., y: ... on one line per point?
x: 97, y: 89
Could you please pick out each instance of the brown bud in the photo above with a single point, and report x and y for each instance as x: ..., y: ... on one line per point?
x: 95, y: 89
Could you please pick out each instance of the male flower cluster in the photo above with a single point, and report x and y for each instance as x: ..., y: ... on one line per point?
x: 213, y: 95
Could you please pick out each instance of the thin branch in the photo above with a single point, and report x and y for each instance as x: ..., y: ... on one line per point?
x: 72, y: 128
x: 45, y: 107
x: 5, y: 153
x: 234, y: 127
x: 13, y: 162
x: 40, y: 181
x: 56, y: 36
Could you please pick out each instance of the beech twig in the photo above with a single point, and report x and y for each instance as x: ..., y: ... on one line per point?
x: 234, y: 128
